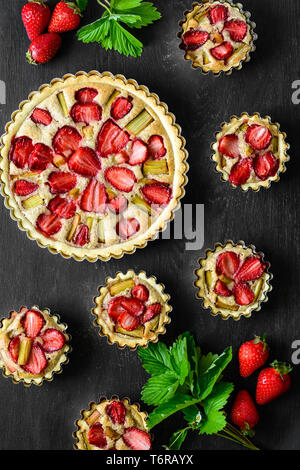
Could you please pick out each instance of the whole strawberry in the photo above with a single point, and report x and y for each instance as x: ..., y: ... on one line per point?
x: 273, y: 382
x: 65, y: 17
x: 35, y: 17
x: 253, y: 355
x: 244, y: 413
x: 43, y: 48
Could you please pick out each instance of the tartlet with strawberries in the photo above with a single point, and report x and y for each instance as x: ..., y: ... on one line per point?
x: 233, y: 280
x: 217, y: 36
x: 33, y: 345
x: 250, y: 152
x: 112, y: 425
x: 132, y: 309
x: 93, y: 166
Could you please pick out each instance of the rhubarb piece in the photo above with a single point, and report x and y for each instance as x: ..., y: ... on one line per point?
x: 120, y: 286
x: 136, y: 439
x: 41, y: 116
x: 88, y: 132
x: 32, y: 202
x: 217, y: 38
x: 151, y: 312
x: 133, y: 306
x: 259, y: 137
x: 208, y: 279
x: 257, y: 288
x: 156, y: 147
x: 86, y: 112
x: 90, y: 223
x: 222, y: 51
x: 115, y: 308
x: 241, y: 171
x: 251, y: 269
x: 61, y: 182
x: 14, y: 348
x: 206, y: 57
x: 139, y: 123
x: 141, y: 203
x: 121, y: 107
x: 4, y: 341
x: 111, y: 139
x: 265, y: 165
x: 63, y: 104
x: 75, y: 193
x: 139, y: 152
x: 229, y: 146
x: 228, y: 263
x: 48, y: 224
x: 53, y: 340
x: 157, y: 193
x: 85, y: 162
x: 222, y: 289
x: 24, y: 188
x: 62, y: 207
x: 128, y: 322
x: 223, y: 305
x: 275, y: 143
x: 93, y: 417
x: 94, y: 197
x: 241, y: 50
x: 242, y: 293
x: 237, y: 29
x: 24, y: 352
x: 40, y: 157
x: 66, y: 141
x: 118, y: 204
x: 58, y: 160
x: 193, y: 39
x: 153, y: 324
x: 101, y: 232
x: 110, y: 194
x: 140, y: 292
x: 120, y: 178
x: 155, y: 167
x: 32, y: 322
x: 20, y: 150
x: 96, y: 436
x: 74, y: 226
x: 126, y: 228
x: 83, y: 236
x: 112, y: 97
x: 137, y: 333
x: 86, y: 94
x: 37, y: 360
x: 117, y: 412
x: 217, y: 14
x: 112, y: 434
x: 226, y: 279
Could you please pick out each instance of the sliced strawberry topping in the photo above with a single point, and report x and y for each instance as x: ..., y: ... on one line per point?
x: 251, y: 269
x: 48, y: 224
x: 62, y: 207
x: 86, y: 112
x: 140, y: 292
x: 120, y: 178
x: 40, y: 157
x: 94, y: 197
x: 20, y: 150
x: 85, y: 162
x: 84, y: 95
x: 115, y: 308
x: 156, y: 148
x: 223, y: 51
x: 259, y: 137
x: 128, y: 322
x: 23, y: 187
x: 193, y: 39
x: 151, y: 312
x: 121, y: 157
x: 41, y: 116
x: 240, y: 172
x: 266, y: 165
x: 136, y: 439
x: 96, y: 436
x: 222, y: 289
x: 111, y: 139
x: 139, y: 152
x: 37, y: 360
x: 66, y: 141
x: 120, y: 107
x: 237, y: 29
x: 118, y: 204
x: 157, y: 193
x: 227, y: 264
x: 117, y: 412
x: 14, y: 348
x: 53, y: 340
x: 217, y: 14
x: 229, y: 146
x: 126, y: 228
x: 82, y: 236
x: 133, y: 306
x: 242, y: 293
x: 32, y: 322
x: 61, y: 182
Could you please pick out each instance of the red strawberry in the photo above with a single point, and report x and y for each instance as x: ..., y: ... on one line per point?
x: 61, y: 182
x: 136, y: 439
x: 133, y: 306
x: 151, y: 312
x: 20, y: 150
x: 86, y: 112
x: 40, y: 157
x: 253, y: 355
x: 126, y: 228
x: 217, y: 14
x: 156, y: 148
x: 120, y: 178
x: 53, y: 340
x: 82, y: 236
x: 115, y: 308
x: 41, y: 116
x: 85, y: 95
x: 37, y: 360
x: 273, y: 382
x: 85, y: 162
x: 229, y: 146
x: 227, y: 264
x: 43, y: 48
x: 266, y: 165
x: 140, y: 291
x: 244, y: 413
x: 35, y: 17
x: 14, y: 348
x: 222, y: 51
x: 111, y: 139
x: 117, y: 412
x: 121, y: 157
x: 94, y: 197
x: 48, y: 224
x: 62, y: 207
x: 96, y: 436
x: 157, y: 193
x: 222, y: 289
x: 66, y: 141
x: 120, y: 107
x: 33, y: 322
x: 237, y: 29
x: 251, y: 269
x: 242, y: 293
x: 23, y: 187
x: 65, y: 17
x: 241, y: 171
x: 259, y: 137
x: 193, y: 39
x: 118, y: 204
x: 128, y: 322
x: 139, y: 152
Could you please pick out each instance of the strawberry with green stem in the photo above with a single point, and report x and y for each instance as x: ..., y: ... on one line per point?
x: 253, y: 355
x: 65, y: 17
x: 35, y: 17
x: 273, y: 382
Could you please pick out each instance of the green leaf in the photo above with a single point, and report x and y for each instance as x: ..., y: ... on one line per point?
x: 190, y: 414
x: 82, y: 4
x: 130, y: 20
x: 155, y: 358
x: 194, y: 354
x: 215, y: 421
x: 218, y: 398
x: 179, y: 359
x: 163, y: 411
x: 160, y: 388
x: 123, y: 41
x: 124, y: 4
x: 177, y: 439
x: 145, y: 14
x: 205, y: 362
x: 208, y: 379
x: 94, y: 32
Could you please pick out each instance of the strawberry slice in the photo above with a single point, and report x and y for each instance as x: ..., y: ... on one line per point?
x: 126, y: 228
x: 222, y: 289
x: 96, y: 436
x: 243, y: 294
x: 41, y: 116
x: 14, y: 348
x: 140, y: 291
x: 136, y: 439
x: 66, y: 141
x: 241, y: 171
x: 117, y: 412
x: 251, y: 269
x: 139, y: 152
x: 156, y: 148
x: 133, y: 306
x: 32, y: 322
x: 227, y: 264
x: 20, y: 150
x: 111, y: 139
x: 82, y: 236
x: 193, y: 39
x: 118, y: 204
x: 157, y: 193
x: 120, y: 107
x: 61, y: 182
x: 86, y: 112
x: 259, y: 137
x: 151, y: 312
x: 115, y: 308
x: 94, y: 197
x: 266, y: 165
x: 40, y: 157
x: 23, y: 187
x: 121, y: 157
x: 53, y: 340
x: 128, y: 322
x: 62, y: 207
x: 85, y: 162
x: 120, y: 178
x: 85, y: 95
x: 229, y: 146
x: 222, y: 51
x: 217, y: 14
x: 48, y: 224
x: 37, y: 360
x: 237, y: 29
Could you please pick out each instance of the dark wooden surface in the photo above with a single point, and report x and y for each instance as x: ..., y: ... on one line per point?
x: 42, y: 418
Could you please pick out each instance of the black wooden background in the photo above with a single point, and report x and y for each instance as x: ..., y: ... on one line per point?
x: 43, y: 418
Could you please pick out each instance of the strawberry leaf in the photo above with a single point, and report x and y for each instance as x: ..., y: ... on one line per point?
x: 214, y: 422
x: 177, y: 439
x: 208, y: 379
x: 82, y: 4
x: 163, y: 411
x: 155, y: 358
x: 160, y: 388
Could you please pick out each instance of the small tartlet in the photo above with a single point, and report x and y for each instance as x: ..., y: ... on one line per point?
x: 233, y: 280
x: 138, y: 294
x: 33, y: 345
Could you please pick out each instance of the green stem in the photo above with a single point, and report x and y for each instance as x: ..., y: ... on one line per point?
x: 238, y: 437
x: 104, y: 6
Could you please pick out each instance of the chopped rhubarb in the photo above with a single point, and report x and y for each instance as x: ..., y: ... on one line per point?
x: 63, y: 104
x: 32, y: 202
x: 139, y: 123
x: 25, y: 349
x: 120, y: 286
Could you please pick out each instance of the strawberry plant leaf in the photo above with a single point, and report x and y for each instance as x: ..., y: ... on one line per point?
x: 155, y: 358
x: 209, y: 378
x: 123, y: 41
x: 82, y: 4
x: 218, y: 398
x: 177, y: 439
x: 160, y: 388
x: 124, y: 4
x: 145, y: 14
x: 94, y: 32
x: 214, y: 422
x: 179, y: 359
x: 163, y: 411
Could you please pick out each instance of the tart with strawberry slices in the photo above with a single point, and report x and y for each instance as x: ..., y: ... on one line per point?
x: 132, y: 309
x: 233, y: 280
x: 112, y: 425
x: 217, y: 36
x: 93, y: 166
x: 33, y: 345
x: 250, y: 152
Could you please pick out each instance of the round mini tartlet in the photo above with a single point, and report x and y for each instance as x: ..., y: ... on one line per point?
x: 33, y: 345
x: 112, y: 425
x: 217, y: 36
x: 250, y: 152
x: 233, y: 280
x: 93, y: 166
x: 132, y: 309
